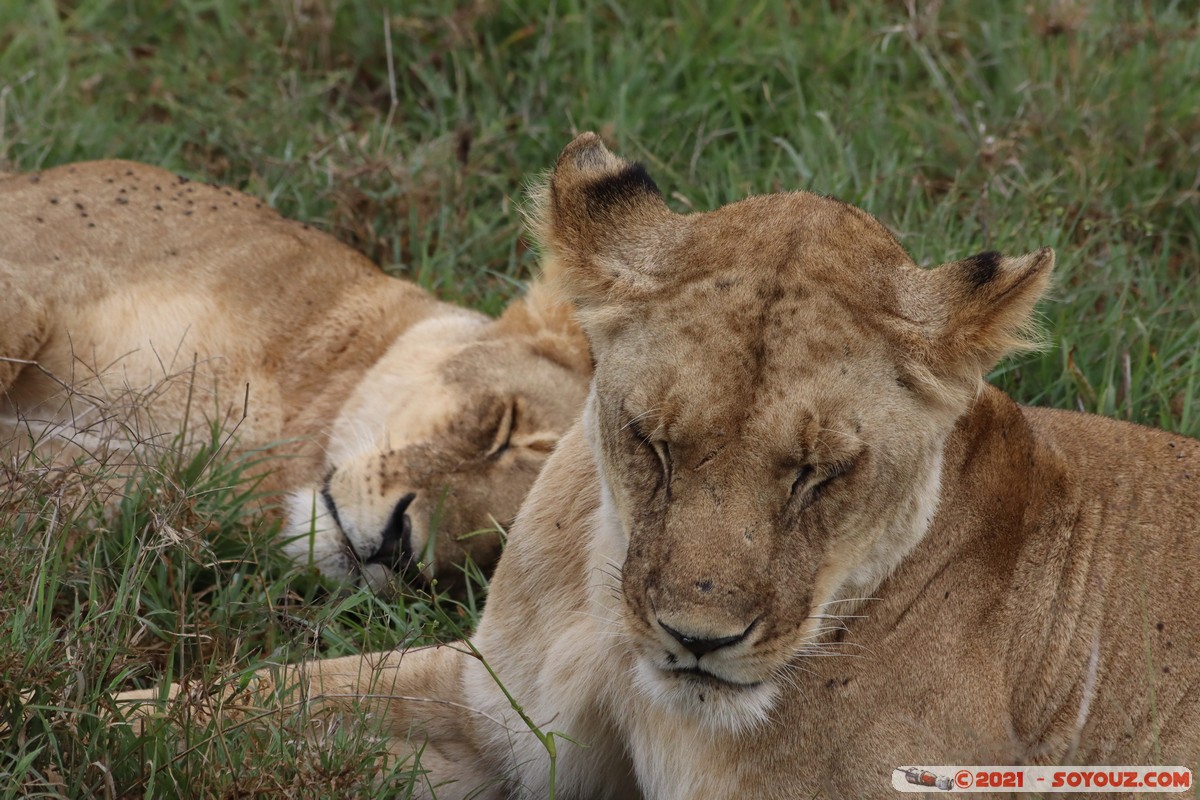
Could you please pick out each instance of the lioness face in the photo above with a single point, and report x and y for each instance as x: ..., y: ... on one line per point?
x: 774, y: 384
x: 433, y: 454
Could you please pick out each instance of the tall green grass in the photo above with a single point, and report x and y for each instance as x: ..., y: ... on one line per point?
x: 409, y: 129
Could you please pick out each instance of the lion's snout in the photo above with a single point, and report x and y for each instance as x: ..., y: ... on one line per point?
x: 395, y: 549
x: 701, y: 641
x: 701, y: 616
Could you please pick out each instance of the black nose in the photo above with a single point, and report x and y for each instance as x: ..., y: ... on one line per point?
x: 395, y: 548
x: 701, y: 645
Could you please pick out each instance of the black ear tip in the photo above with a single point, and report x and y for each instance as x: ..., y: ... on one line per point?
x: 982, y: 268
x: 626, y: 186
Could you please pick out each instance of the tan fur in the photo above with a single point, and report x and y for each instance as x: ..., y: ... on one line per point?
x: 137, y: 306
x: 788, y: 441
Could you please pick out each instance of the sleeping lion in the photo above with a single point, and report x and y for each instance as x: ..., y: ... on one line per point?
x: 138, y: 310
x: 796, y: 541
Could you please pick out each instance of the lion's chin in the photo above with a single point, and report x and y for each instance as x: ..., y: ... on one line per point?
x: 715, y: 703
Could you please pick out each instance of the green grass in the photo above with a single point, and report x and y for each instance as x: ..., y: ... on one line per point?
x: 963, y: 126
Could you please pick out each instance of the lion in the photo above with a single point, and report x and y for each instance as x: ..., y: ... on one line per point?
x: 796, y: 541
x: 139, y: 309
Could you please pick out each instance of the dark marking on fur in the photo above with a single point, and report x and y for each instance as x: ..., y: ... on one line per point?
x: 770, y: 295
x: 327, y: 496
x: 53, y: 201
x: 620, y: 188
x: 123, y: 201
x: 982, y: 268
x: 755, y: 356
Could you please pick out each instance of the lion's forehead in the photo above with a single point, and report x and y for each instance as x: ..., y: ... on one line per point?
x: 767, y: 341
x: 777, y: 366
x: 487, y: 372
x: 775, y: 329
x: 495, y: 367
x: 770, y: 319
x: 804, y: 230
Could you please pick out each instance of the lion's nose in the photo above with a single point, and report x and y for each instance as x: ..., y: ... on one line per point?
x: 395, y: 548
x: 699, y: 645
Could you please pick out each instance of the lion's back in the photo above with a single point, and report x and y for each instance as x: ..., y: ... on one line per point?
x: 108, y: 223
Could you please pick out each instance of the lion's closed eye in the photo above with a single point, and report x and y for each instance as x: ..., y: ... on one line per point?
x: 658, y: 445
x: 810, y: 481
x: 505, y: 427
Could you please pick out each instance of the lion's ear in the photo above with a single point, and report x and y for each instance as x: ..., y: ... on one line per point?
x: 977, y: 310
x: 594, y: 217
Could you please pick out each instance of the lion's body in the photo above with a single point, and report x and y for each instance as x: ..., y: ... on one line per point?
x: 135, y: 298
x: 165, y: 304
x: 1028, y: 597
